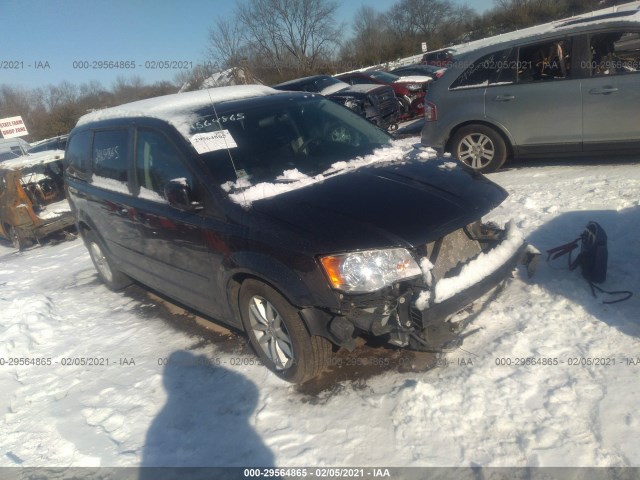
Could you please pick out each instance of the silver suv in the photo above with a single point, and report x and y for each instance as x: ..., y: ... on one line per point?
x: 565, y: 88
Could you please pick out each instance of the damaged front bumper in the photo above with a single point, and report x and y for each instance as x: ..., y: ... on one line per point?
x: 418, y: 313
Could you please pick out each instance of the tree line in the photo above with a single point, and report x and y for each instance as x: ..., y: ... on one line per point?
x: 277, y: 40
x: 269, y: 41
x: 54, y: 110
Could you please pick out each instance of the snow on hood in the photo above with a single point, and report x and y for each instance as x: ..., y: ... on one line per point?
x: 363, y: 87
x: 394, y: 152
x: 336, y: 87
x: 414, y: 79
x: 178, y: 109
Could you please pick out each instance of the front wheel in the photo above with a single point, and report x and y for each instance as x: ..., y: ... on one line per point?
x: 111, y: 277
x: 278, y: 335
x: 480, y: 147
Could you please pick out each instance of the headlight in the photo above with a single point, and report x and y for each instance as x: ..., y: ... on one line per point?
x: 414, y: 87
x: 370, y: 270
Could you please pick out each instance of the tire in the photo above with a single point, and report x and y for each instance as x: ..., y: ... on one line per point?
x: 19, y: 242
x: 109, y: 275
x: 480, y: 147
x: 278, y: 335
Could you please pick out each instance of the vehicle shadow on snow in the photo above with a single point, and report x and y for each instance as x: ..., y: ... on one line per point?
x: 205, y: 421
x: 623, y: 272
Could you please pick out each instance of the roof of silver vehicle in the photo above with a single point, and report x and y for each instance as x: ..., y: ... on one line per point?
x: 627, y: 15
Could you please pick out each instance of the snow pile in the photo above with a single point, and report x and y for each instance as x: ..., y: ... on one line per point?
x: 293, y: 174
x: 448, y: 166
x: 425, y: 297
x: 55, y: 209
x: 396, y: 151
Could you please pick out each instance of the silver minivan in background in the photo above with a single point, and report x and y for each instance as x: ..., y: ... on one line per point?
x: 565, y: 88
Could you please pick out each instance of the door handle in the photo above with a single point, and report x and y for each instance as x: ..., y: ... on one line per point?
x: 603, y: 91
x: 504, y: 98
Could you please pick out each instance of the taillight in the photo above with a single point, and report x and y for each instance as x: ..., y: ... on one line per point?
x: 430, y: 112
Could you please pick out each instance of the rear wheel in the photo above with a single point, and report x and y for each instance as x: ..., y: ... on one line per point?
x: 278, y: 335
x: 480, y: 147
x: 111, y: 277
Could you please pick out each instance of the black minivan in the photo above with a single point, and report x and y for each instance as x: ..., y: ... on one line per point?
x: 287, y: 216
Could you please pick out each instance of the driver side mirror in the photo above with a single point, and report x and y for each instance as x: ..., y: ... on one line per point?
x: 178, y: 194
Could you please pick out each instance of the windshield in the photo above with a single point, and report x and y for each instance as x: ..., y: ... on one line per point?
x: 307, y: 134
x: 384, y: 76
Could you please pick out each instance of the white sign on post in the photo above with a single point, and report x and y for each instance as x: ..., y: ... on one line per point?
x: 12, y: 127
x: 424, y: 47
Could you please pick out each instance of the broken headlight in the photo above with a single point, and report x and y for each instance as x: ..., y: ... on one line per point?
x: 369, y: 270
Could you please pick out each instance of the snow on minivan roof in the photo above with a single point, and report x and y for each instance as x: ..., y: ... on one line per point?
x: 178, y: 108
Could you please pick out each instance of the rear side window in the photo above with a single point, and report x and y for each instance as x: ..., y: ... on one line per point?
x: 550, y: 60
x: 77, y: 154
x: 110, y: 155
x: 615, y: 53
x: 483, y: 72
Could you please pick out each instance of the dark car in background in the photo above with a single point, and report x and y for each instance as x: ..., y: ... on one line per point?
x: 55, y: 143
x: 377, y: 104
x: 409, y: 90
x: 286, y: 216
x: 440, y: 58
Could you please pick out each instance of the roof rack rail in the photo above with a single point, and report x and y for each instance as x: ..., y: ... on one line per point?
x: 604, y: 16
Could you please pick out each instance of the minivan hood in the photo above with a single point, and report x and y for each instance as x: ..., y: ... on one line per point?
x: 390, y: 205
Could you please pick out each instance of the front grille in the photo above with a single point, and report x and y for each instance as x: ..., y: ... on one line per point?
x: 385, y: 100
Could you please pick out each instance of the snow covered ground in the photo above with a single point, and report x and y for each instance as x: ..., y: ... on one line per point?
x: 166, y: 392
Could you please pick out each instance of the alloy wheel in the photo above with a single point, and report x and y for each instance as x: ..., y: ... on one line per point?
x: 476, y: 150
x: 271, y: 332
x: 100, y: 261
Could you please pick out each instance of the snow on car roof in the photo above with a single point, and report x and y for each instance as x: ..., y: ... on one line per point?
x: 178, y: 108
x: 604, y: 16
x: 32, y: 159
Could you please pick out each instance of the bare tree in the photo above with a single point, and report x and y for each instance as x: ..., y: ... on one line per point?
x: 227, y: 42
x: 289, y: 35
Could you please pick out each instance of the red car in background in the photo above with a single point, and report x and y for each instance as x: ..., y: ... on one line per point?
x: 410, y: 90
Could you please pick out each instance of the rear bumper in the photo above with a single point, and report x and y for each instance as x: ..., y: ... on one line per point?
x: 47, y: 227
